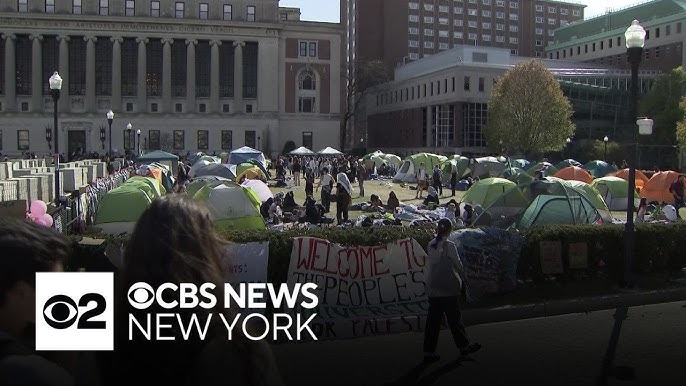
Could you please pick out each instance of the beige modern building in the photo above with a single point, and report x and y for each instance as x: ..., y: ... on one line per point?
x: 601, y: 39
x: 191, y: 75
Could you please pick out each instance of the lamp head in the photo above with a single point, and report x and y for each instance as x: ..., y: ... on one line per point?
x: 569, y: 140
x: 138, y: 131
x: 128, y: 126
x: 55, y: 81
x: 635, y: 35
x: 606, y: 139
x: 645, y: 126
x: 110, y: 114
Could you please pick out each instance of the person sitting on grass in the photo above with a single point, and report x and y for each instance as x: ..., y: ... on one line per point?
x: 275, y: 211
x: 393, y: 201
x: 289, y: 202
x: 431, y: 201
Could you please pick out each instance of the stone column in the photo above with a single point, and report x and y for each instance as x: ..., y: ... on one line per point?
x: 36, y: 73
x: 65, y: 99
x: 214, y: 76
x: 190, y: 75
x: 166, y: 75
x: 91, y: 105
x: 10, y: 73
x: 429, y: 126
x: 238, y: 76
x: 115, y: 103
x: 142, y: 89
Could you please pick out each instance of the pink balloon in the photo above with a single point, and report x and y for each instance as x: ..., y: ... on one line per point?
x: 46, y: 220
x: 38, y: 208
x: 40, y: 221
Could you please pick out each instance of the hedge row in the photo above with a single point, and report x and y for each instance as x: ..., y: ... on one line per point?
x: 657, y: 245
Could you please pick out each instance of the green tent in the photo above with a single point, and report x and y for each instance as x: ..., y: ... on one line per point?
x: 119, y: 209
x: 410, y: 167
x: 149, y: 185
x: 614, y: 191
x: 208, y: 158
x: 157, y: 155
x: 485, y: 192
x: 485, y: 167
x: 460, y: 162
x: 591, y: 194
x: 553, y: 209
x: 200, y: 182
x: 599, y: 168
x: 516, y: 175
x: 568, y: 162
x: 520, y: 163
x: 232, y: 206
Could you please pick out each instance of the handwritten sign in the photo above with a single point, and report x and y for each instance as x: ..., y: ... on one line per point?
x: 362, y: 290
x: 16, y: 208
x: 551, y: 257
x: 246, y: 263
x: 578, y: 255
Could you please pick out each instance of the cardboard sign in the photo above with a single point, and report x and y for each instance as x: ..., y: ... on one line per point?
x: 578, y: 256
x: 16, y: 208
x: 551, y: 257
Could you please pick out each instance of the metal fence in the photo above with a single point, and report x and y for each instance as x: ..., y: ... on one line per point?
x: 77, y: 211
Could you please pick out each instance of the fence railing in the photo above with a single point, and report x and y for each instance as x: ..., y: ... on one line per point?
x: 78, y: 211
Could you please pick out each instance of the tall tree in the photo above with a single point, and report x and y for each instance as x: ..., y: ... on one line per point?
x: 662, y: 105
x: 681, y: 125
x: 360, y: 76
x: 528, y: 111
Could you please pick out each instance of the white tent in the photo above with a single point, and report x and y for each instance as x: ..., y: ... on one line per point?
x: 245, y: 154
x: 302, y: 150
x: 329, y: 151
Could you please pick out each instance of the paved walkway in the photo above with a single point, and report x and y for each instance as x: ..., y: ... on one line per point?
x: 644, y: 345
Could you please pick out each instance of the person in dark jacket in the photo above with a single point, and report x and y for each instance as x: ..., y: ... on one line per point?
x: 264, y: 208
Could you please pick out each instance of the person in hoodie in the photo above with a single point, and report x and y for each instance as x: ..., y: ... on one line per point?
x: 444, y: 283
x: 344, y: 190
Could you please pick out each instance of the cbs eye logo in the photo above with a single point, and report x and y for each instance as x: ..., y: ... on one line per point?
x: 74, y: 311
x: 141, y: 295
x: 61, y: 311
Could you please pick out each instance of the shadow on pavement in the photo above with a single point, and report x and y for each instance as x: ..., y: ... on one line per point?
x: 412, y: 377
x: 622, y: 373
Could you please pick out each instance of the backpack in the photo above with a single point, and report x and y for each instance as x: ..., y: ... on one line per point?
x: 437, y: 175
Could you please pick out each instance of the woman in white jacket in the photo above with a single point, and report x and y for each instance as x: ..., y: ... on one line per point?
x: 444, y: 282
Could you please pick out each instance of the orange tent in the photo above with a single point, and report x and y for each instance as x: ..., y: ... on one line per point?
x: 657, y: 188
x: 640, y: 179
x: 574, y: 173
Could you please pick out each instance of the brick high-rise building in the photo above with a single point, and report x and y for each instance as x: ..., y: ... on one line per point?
x: 398, y: 31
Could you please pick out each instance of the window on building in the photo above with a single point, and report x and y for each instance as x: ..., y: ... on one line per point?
x: 203, y: 139
x: 130, y: 8
x: 458, y: 23
x: 458, y: 10
x: 564, y: 11
x: 129, y: 67
x: 412, y: 31
x: 413, y: 18
x: 103, y: 67
x: 466, y: 83
x: 428, y: 7
x: 227, y: 139
x: 486, y: 38
x: 472, y: 12
x: 514, y: 40
x: 500, y: 15
x: 179, y: 10
x: 307, y: 91
x: 250, y: 138
x: 412, y: 5
x: 178, y: 69
x: 486, y: 13
x: 500, y: 39
x: 104, y: 8
x: 443, y: 21
x: 500, y: 27
x: 413, y: 43
x: 486, y: 25
x: 668, y: 30
x: 49, y: 6
x: 472, y: 24
x: 154, y: 140
x: 551, y: 32
x: 602, y: 44
x: 0, y: 139
x: 307, y: 139
x: 539, y: 31
x: 153, y: 64
x: 203, y: 11
x: 228, y: 11
x: 428, y: 19
x: 657, y: 32
x: 514, y: 16
x: 284, y: 16
x: 250, y: 13
x: 428, y: 44
x: 77, y: 67
x: 678, y: 27
x: 179, y: 140
x: 500, y: 3
x: 23, y: 5
x: 458, y: 35
x: 552, y: 9
x: 428, y: 32
x: 76, y: 7
x: 576, y: 12
x: 552, y: 21
x: 539, y: 43
x: 155, y: 8
x: 578, y: 50
x: 514, y: 4
x: 539, y: 8
x: 482, y: 82
x: 23, y: 140
x: 514, y: 28
x: 443, y: 8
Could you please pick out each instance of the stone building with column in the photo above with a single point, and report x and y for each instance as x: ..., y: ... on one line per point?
x: 191, y: 75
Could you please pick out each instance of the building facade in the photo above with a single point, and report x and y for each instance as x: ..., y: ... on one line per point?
x: 400, y: 31
x: 440, y: 104
x: 191, y: 75
x: 601, y: 39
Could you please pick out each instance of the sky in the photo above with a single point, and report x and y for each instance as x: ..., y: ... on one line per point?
x: 328, y: 10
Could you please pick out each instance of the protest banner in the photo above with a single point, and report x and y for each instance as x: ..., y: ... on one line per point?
x: 551, y: 257
x: 246, y: 263
x: 362, y: 290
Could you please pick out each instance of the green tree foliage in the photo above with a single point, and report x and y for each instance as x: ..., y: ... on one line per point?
x: 360, y: 77
x: 681, y: 125
x: 528, y: 111
x: 662, y: 104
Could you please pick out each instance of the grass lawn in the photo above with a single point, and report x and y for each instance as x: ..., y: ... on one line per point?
x: 380, y: 188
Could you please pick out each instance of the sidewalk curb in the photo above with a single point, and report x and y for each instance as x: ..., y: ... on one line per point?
x: 571, y: 306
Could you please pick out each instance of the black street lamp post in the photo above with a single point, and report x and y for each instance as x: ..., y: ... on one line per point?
x: 605, y: 141
x: 138, y: 132
x: 635, y: 40
x: 110, y: 118
x: 55, y: 87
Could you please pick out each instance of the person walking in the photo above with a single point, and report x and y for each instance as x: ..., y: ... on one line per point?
x: 421, y: 180
x: 453, y: 179
x: 436, y: 180
x: 361, y: 176
x: 444, y: 283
